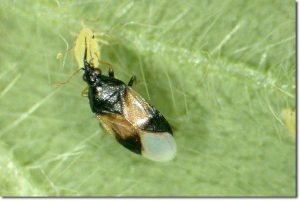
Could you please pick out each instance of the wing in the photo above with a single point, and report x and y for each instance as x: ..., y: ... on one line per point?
x: 157, y: 146
x: 124, y: 132
x: 142, y: 115
x: 135, y: 109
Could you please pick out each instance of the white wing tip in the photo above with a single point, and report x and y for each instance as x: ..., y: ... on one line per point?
x: 159, y: 147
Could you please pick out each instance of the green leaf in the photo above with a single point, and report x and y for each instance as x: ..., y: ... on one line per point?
x: 221, y: 72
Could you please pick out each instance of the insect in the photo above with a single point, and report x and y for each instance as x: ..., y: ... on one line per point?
x: 86, y: 39
x: 135, y: 124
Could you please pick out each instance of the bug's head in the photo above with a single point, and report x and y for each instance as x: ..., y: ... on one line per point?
x: 91, y: 74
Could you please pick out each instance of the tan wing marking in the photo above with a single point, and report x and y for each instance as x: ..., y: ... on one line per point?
x: 117, y: 125
x: 135, y: 108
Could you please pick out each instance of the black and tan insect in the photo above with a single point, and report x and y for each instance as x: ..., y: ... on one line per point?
x: 136, y: 124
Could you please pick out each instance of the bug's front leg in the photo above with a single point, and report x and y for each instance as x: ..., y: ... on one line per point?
x: 111, y: 72
x: 85, y: 92
x: 132, y: 80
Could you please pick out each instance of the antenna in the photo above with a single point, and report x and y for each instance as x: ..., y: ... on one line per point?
x: 68, y: 80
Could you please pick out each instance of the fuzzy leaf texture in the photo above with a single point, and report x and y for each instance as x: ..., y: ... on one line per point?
x: 221, y: 72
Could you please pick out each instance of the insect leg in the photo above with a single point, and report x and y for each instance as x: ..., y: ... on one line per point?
x: 111, y: 72
x: 85, y: 92
x: 132, y: 80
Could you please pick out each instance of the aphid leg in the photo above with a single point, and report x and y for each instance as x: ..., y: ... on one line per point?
x: 132, y: 80
x: 85, y: 92
x: 111, y: 72
x: 100, y: 36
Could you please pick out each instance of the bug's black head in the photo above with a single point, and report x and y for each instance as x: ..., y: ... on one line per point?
x: 91, y: 74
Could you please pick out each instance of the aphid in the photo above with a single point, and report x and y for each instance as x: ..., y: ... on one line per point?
x: 136, y: 124
x: 86, y: 39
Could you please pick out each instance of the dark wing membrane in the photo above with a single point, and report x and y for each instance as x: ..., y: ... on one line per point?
x: 124, y: 132
x: 157, y: 123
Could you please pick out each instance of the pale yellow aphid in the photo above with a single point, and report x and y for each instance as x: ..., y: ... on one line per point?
x: 93, y: 49
x: 289, y: 118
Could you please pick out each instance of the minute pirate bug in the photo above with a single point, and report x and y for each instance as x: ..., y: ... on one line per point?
x: 136, y: 124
